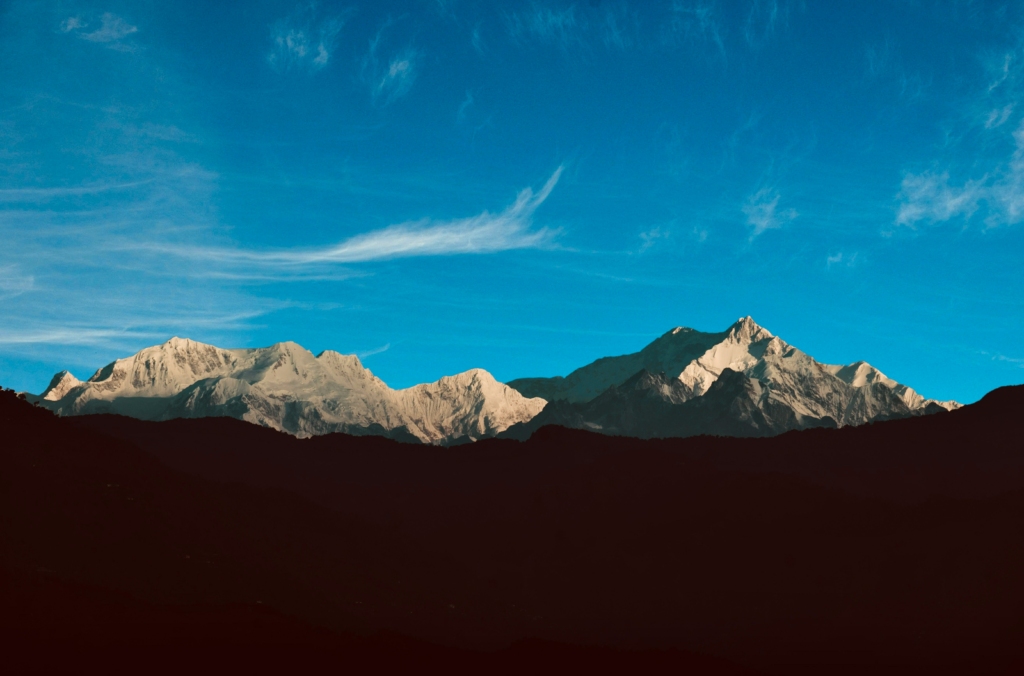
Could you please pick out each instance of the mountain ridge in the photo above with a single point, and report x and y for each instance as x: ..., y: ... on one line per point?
x: 789, y: 383
x: 286, y: 387
x: 770, y: 387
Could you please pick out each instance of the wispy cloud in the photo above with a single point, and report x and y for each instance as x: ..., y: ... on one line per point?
x: 842, y: 260
x: 620, y: 27
x: 460, y: 117
x: 13, y: 282
x: 72, y: 335
x: 476, y: 38
x: 45, y: 194
x: 763, y: 213
x: 561, y: 27
x: 389, y: 78
x: 111, y: 32
x: 129, y: 333
x: 881, y: 58
x: 1010, y: 360
x: 484, y: 233
x: 998, y: 116
x: 1002, y: 73
x: 376, y: 350
x: 651, y: 237
x: 398, y: 77
x: 71, y: 24
x: 929, y: 197
x: 764, y: 19
x: 991, y: 132
x: 302, y: 40
x: 695, y: 22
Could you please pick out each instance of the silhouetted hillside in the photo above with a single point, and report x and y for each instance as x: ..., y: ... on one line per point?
x: 895, y: 545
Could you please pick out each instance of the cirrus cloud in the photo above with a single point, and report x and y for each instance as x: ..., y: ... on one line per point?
x: 304, y: 41
x: 111, y: 32
x: 763, y: 213
x: 484, y: 233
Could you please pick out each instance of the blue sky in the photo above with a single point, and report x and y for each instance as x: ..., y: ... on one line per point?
x: 438, y: 185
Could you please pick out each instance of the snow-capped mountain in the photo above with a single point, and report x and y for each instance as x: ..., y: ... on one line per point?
x: 286, y: 387
x: 741, y: 382
x: 772, y: 386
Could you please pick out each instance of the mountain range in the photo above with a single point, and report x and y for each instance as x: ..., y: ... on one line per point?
x: 740, y: 382
x: 287, y: 388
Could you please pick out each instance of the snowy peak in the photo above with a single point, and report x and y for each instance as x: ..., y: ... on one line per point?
x: 746, y: 331
x: 163, y: 369
x: 60, y: 385
x: 745, y: 343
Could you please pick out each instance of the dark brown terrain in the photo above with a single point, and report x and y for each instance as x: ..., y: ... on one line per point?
x: 206, y: 544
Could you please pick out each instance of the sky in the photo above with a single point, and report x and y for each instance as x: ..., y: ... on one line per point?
x: 438, y: 185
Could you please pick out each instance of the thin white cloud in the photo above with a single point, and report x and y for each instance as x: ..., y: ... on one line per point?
x: 1010, y: 360
x: 881, y: 58
x: 289, y: 45
x: 620, y: 28
x: 72, y: 335
x: 111, y: 32
x: 376, y: 350
x: 1002, y: 73
x: 998, y: 116
x: 929, y: 197
x: 559, y: 27
x: 842, y: 259
x: 695, y: 23
x: 763, y: 213
x: 484, y: 233
x: 13, y: 282
x: 112, y: 29
x: 460, y: 117
x: 995, y: 198
x: 763, y: 20
x: 304, y: 41
x: 71, y: 24
x: 651, y: 237
x: 44, y: 194
x: 142, y: 330
x: 389, y: 78
x: 397, y: 78
x: 477, y: 39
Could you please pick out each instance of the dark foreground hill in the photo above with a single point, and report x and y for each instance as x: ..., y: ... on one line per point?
x: 895, y: 547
